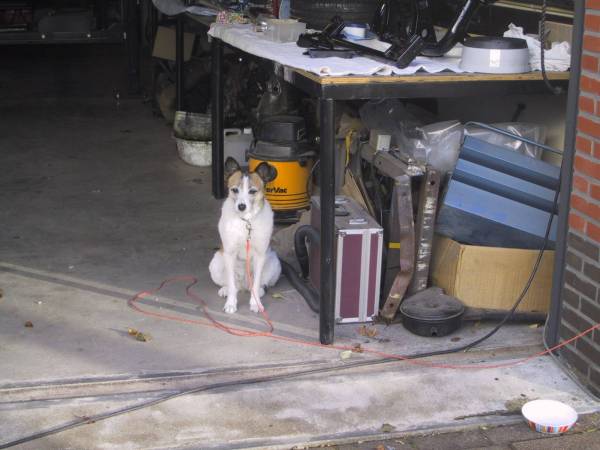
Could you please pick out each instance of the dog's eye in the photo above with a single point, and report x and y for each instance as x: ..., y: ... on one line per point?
x: 235, y: 190
x: 252, y: 191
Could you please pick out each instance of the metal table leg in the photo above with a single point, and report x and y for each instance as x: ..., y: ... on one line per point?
x: 327, y: 168
x: 179, y: 64
x: 218, y: 182
x: 132, y: 14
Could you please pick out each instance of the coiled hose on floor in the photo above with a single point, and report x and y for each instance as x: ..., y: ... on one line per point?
x: 300, y: 281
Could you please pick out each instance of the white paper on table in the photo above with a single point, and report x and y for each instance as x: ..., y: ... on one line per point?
x: 289, y: 54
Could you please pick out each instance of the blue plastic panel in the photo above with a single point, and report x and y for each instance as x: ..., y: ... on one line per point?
x: 510, y: 162
x: 475, y: 216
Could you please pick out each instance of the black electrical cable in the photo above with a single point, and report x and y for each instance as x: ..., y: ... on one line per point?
x: 228, y: 384
x: 556, y: 90
x: 99, y: 417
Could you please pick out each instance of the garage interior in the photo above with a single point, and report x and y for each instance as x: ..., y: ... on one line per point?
x: 97, y: 206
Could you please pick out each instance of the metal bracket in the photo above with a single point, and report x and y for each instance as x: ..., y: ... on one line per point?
x: 403, y: 219
x: 425, y: 227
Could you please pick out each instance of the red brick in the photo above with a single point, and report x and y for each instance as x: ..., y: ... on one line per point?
x: 593, y: 231
x: 592, y: 4
x: 587, y: 167
x: 597, y: 149
x: 587, y: 84
x: 589, y: 62
x: 591, y: 43
x: 588, y: 126
x: 587, y: 208
x: 592, y: 22
x: 586, y: 104
x: 583, y: 144
x: 580, y: 184
x: 595, y: 191
x: 576, y: 222
x: 583, y: 246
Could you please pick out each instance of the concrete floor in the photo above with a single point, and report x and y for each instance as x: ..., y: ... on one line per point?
x: 95, y: 206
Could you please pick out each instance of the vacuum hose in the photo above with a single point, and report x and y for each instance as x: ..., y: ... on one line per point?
x: 300, y: 282
x: 303, y: 232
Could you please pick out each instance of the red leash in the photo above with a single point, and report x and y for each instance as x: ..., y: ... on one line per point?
x: 242, y: 332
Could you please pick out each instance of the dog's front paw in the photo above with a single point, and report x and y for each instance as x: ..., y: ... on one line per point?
x: 255, y: 305
x: 230, y: 306
x: 223, y: 292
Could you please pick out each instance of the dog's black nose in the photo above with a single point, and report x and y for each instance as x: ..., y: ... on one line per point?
x: 242, y: 206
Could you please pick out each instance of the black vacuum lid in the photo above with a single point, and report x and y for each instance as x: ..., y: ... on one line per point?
x: 497, y: 43
x: 432, y: 304
x: 282, y: 128
x: 285, y: 151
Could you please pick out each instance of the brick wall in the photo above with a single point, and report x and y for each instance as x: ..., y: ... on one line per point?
x: 581, y: 292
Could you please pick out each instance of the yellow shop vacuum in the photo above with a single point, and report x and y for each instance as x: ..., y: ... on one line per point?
x: 281, y: 141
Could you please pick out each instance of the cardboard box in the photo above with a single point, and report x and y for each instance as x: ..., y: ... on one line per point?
x: 491, y: 277
x: 164, y: 44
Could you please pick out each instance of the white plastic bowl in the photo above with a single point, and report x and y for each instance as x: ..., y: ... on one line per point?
x: 549, y: 416
x: 195, y: 153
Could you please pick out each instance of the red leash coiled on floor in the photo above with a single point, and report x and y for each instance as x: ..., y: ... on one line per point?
x: 242, y: 332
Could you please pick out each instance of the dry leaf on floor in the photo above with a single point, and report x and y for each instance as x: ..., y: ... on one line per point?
x: 142, y: 337
x: 357, y: 348
x: 534, y: 325
x: 28, y: 324
x: 278, y: 296
x: 345, y: 354
x: 380, y: 447
x: 387, y: 428
x: 86, y: 419
x: 138, y: 335
x: 367, y: 331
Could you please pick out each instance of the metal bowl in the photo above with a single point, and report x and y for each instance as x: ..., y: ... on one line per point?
x: 192, y: 126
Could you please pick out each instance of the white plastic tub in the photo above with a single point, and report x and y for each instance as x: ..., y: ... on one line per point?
x: 195, y: 153
x: 284, y: 30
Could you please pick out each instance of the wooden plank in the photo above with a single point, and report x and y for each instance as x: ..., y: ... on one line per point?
x: 432, y: 78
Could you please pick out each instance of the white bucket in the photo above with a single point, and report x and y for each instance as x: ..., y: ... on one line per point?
x: 196, y: 153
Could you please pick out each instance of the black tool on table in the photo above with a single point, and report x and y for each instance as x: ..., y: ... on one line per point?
x: 405, y: 25
x: 327, y: 53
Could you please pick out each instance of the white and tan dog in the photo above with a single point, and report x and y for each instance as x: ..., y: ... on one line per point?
x: 246, y: 215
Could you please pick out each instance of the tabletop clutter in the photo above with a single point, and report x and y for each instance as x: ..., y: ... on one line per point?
x: 514, y: 52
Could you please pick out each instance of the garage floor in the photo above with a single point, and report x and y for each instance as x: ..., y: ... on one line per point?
x: 95, y: 206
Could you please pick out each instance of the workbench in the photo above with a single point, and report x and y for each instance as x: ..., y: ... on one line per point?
x: 329, y: 90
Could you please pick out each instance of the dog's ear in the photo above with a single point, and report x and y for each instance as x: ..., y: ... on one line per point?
x: 231, y: 166
x: 266, y: 172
